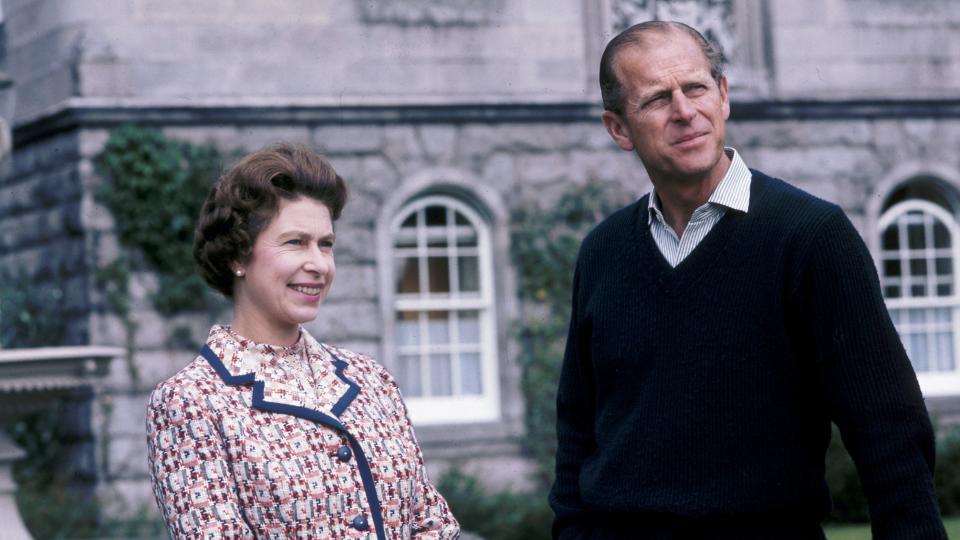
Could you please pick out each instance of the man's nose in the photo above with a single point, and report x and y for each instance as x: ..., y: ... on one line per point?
x: 683, y: 109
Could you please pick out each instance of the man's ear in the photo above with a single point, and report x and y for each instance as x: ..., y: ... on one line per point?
x: 724, y: 97
x: 617, y: 129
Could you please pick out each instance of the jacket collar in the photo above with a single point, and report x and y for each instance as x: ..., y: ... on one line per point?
x: 305, y: 380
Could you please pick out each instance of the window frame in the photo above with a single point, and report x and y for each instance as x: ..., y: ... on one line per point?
x: 939, y: 383
x: 457, y: 409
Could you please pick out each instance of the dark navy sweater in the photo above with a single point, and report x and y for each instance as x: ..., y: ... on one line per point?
x: 696, y: 401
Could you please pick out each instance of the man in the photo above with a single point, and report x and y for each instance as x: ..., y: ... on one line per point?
x: 718, y: 326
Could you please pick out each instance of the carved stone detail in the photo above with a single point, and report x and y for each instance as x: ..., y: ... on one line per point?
x: 736, y: 25
x: 713, y: 18
x: 431, y: 12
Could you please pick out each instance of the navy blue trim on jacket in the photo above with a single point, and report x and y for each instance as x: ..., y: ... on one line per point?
x: 314, y: 415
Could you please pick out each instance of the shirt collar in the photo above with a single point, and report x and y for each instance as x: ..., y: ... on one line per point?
x: 733, y: 191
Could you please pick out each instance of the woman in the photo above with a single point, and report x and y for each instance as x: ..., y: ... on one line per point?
x: 269, y: 433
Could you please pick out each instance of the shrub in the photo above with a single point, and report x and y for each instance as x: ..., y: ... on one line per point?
x: 504, y: 515
x: 948, y: 472
x: 849, y: 502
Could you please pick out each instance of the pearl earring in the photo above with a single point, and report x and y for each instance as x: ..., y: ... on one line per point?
x: 239, y: 273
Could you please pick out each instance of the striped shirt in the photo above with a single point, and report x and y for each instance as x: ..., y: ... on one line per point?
x: 732, y: 193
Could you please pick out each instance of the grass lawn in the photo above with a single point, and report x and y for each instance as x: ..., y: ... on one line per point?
x: 862, y: 532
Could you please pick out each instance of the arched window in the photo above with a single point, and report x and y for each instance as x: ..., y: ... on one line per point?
x: 443, y: 306
x: 918, y: 269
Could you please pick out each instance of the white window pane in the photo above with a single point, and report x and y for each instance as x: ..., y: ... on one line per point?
x: 918, y: 267
x: 891, y: 291
x: 891, y: 238
x: 466, y: 236
x: 469, y: 327
x: 470, y: 377
x: 441, y: 380
x: 944, y: 266
x: 405, y: 238
x: 941, y: 236
x: 468, y: 269
x: 437, y: 236
x: 915, y: 236
x: 944, y: 360
x: 408, y: 330
x: 407, y: 272
x: 891, y: 267
x: 435, y: 215
x: 917, y: 349
x: 408, y: 376
x: 438, y: 328
x: 438, y: 268
x: 918, y: 287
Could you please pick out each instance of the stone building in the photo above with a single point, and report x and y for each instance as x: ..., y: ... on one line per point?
x: 445, y: 116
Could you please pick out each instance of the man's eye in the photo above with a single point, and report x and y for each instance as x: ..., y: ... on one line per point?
x: 326, y: 244
x: 294, y: 242
x: 656, y: 100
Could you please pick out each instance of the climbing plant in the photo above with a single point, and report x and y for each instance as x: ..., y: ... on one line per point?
x: 544, y: 249
x: 30, y: 316
x: 154, y: 187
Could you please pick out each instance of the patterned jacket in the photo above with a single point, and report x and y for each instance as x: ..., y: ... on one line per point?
x: 308, y: 441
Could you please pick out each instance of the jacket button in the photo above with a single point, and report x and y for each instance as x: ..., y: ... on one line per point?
x: 360, y: 523
x: 344, y: 453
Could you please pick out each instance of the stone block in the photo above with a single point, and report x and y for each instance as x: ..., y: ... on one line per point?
x: 355, y: 243
x: 787, y: 13
x: 362, y: 208
x: 107, y: 329
x: 142, y: 286
x: 224, y: 138
x: 127, y: 415
x: 153, y: 330
x: 348, y: 320
x: 354, y: 282
x: 438, y: 142
x: 120, y: 377
x: 126, y: 456
x: 92, y: 141
x: 542, y: 168
x: 255, y: 138
x: 346, y: 139
x: 401, y: 144
x: 156, y: 366
x: 604, y: 165
x: 377, y: 175
x: 128, y: 498
x: 369, y: 347
x: 499, y: 172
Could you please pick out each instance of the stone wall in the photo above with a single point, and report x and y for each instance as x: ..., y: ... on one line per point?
x: 41, y: 228
x: 523, y: 165
x: 832, y: 49
x: 125, y: 55
x: 162, y: 50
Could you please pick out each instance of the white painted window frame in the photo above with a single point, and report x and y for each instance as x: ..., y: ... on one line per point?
x: 454, y: 409
x: 941, y: 383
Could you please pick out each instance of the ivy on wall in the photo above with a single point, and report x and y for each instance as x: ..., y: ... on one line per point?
x: 30, y: 316
x: 154, y: 187
x: 544, y: 249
